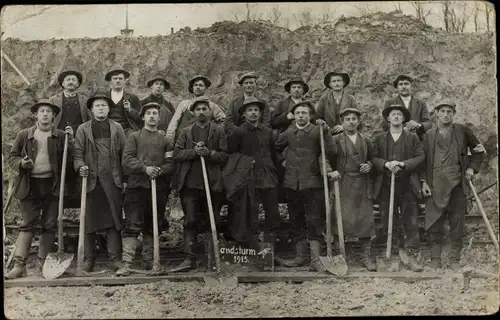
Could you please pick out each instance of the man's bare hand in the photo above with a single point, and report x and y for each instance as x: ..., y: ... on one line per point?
x: 426, y: 190
x: 337, y: 129
x: 27, y: 163
x: 84, y: 171
x: 365, y: 167
x: 335, y: 175
x: 152, y: 171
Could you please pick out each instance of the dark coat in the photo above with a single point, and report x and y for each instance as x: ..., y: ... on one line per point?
x: 301, y: 158
x: 418, y: 111
x: 132, y: 116
x: 85, y: 112
x: 86, y: 152
x: 184, y: 154
x: 413, y: 157
x: 279, y: 120
x: 167, y: 111
x: 326, y: 110
x: 25, y: 144
x: 234, y: 119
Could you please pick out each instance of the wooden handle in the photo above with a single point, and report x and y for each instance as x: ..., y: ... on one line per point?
x: 327, y: 195
x: 211, y: 214
x: 485, y: 218
x: 60, y: 236
x: 81, y: 231
x: 338, y: 215
x: 14, y: 67
x: 156, y: 236
x: 391, y: 214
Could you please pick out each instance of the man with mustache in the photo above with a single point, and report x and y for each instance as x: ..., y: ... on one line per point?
x: 158, y: 85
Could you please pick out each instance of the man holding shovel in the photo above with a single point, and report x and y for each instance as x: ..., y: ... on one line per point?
x: 444, y: 181
x: 37, y: 155
x: 98, y: 153
x: 200, y: 139
x: 399, y: 152
x: 147, y: 155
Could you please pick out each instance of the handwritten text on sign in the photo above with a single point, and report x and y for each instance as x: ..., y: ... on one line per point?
x: 257, y: 254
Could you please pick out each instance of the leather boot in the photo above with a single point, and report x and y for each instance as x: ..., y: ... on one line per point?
x: 366, y: 259
x: 456, y: 250
x: 412, y: 262
x: 129, y: 246
x: 147, y: 252
x: 436, y: 263
x: 114, y: 245
x: 45, y: 247
x: 189, y: 262
x: 300, y: 255
x: 315, y: 264
x: 23, y: 245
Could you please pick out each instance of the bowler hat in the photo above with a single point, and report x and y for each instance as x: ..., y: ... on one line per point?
x: 403, y: 109
x: 202, y: 99
x: 149, y: 105
x: 247, y: 75
x: 401, y: 77
x: 251, y: 101
x: 62, y: 75
x: 350, y: 110
x: 450, y: 104
x: 113, y: 72
x: 100, y: 94
x: 198, y: 77
x: 45, y: 102
x: 296, y: 80
x: 329, y: 75
x: 161, y: 78
x: 306, y: 103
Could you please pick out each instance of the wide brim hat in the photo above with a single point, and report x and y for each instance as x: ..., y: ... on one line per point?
x: 100, y: 95
x: 247, y: 75
x: 62, y: 75
x: 350, y: 110
x: 198, y: 100
x: 344, y: 76
x: 296, y: 80
x: 249, y: 102
x: 149, y: 105
x: 306, y: 103
x: 450, y: 104
x: 403, y: 109
x: 198, y: 77
x: 401, y: 77
x: 108, y: 75
x: 161, y: 78
x: 45, y: 102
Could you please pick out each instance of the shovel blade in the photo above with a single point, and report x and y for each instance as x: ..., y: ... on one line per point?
x: 55, y: 265
x: 335, y: 265
x: 387, y: 265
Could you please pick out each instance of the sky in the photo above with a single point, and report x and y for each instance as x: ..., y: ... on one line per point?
x: 40, y: 22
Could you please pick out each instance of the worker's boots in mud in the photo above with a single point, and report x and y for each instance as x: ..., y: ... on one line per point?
x: 190, y: 262
x: 129, y: 245
x: 455, y: 257
x: 315, y: 264
x: 365, y: 255
x: 23, y: 245
x: 436, y: 263
x: 147, y: 252
x: 411, y: 261
x: 301, y: 254
x: 114, y: 244
x: 435, y: 252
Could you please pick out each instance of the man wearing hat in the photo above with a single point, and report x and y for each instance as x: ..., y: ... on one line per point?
x: 98, y: 154
x: 400, y: 152
x: 334, y: 100
x: 37, y: 155
x: 200, y: 139
x: 158, y: 85
x: 126, y: 105
x: 353, y: 168
x: 255, y: 140
x: 304, y: 183
x: 147, y: 155
x: 445, y: 180
x: 234, y: 118
x: 182, y: 117
x: 420, y: 120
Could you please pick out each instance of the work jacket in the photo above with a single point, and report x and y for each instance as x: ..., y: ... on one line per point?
x: 418, y: 111
x: 85, y: 112
x: 234, y: 119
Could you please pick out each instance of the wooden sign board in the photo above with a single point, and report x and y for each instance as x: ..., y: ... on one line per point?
x: 259, y: 255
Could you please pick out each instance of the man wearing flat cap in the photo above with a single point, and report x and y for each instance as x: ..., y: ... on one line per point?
x: 37, y: 155
x: 158, y: 85
x: 401, y: 153
x: 334, y: 100
x: 183, y: 117
x: 147, y: 155
x: 126, y: 105
x: 98, y: 156
x: 447, y: 170
x: 249, y: 83
x: 420, y: 120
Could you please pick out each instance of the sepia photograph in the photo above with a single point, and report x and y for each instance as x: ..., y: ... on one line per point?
x: 249, y: 160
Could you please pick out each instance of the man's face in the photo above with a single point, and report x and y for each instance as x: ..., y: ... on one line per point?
x: 336, y: 83
x: 199, y: 88
x: 249, y: 85
x: 151, y: 117
x: 70, y: 82
x: 100, y: 108
x: 445, y: 115
x: 202, y: 112
x: 302, y: 115
x: 118, y: 81
x: 44, y: 115
x: 404, y: 88
x: 158, y: 87
x: 296, y: 90
x: 252, y: 113
x: 395, y: 117
x: 350, y: 122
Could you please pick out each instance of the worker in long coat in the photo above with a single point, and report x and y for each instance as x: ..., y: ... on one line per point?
x: 334, y: 100
x: 234, y: 118
x: 183, y: 117
x: 445, y: 180
x: 37, y: 155
x: 159, y: 84
x: 354, y: 153
x: 126, y: 105
x: 304, y: 183
x: 98, y: 152
x: 400, y: 152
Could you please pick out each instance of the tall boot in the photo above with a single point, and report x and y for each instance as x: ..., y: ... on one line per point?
x: 300, y: 255
x: 45, y: 247
x: 23, y: 245
x: 435, y: 252
x: 89, y: 254
x: 315, y: 264
x: 129, y: 246
x: 189, y: 262
x: 147, y: 251
x: 366, y: 259
x: 455, y: 252
x: 412, y: 262
x: 114, y: 244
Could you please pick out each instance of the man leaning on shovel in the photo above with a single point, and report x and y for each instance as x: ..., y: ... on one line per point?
x: 37, y: 155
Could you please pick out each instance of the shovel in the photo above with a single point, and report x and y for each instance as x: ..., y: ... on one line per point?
x: 385, y: 264
x: 5, y: 209
x: 221, y: 278
x: 56, y: 263
x: 483, y: 214
x: 335, y: 265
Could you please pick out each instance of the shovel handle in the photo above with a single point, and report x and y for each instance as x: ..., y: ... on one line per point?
x: 391, y: 215
x: 156, y: 237
x: 338, y: 215
x: 327, y: 194
x: 81, y: 232
x: 60, y: 235
x: 211, y: 214
x: 483, y: 214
